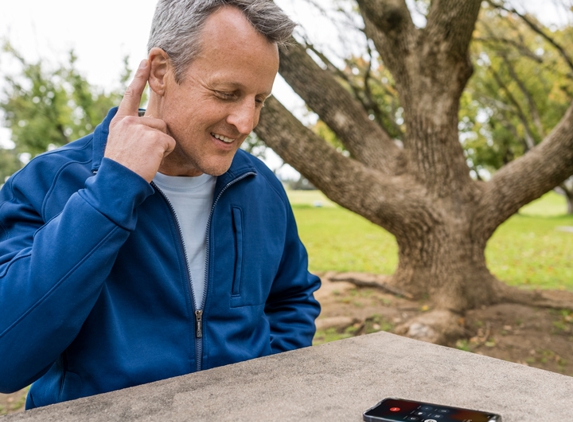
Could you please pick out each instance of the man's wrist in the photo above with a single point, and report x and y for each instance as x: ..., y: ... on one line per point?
x: 116, y: 192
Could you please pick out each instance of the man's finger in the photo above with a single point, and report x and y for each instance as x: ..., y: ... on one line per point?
x: 153, y: 123
x: 129, y: 105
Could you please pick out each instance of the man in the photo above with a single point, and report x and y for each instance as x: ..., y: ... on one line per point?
x: 153, y: 247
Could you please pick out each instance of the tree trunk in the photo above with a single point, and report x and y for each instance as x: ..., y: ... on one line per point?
x: 421, y: 193
x: 446, y: 265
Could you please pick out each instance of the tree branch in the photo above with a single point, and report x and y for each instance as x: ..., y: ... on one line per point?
x: 528, y: 134
x: 389, y: 24
x: 392, y: 17
x: 530, y: 101
x: 451, y: 24
x: 393, y: 202
x: 527, y: 178
x: 535, y: 28
x: 335, y: 71
x: 382, y: 117
x: 523, y: 50
x: 364, y: 139
x: 362, y: 95
x: 432, y: 62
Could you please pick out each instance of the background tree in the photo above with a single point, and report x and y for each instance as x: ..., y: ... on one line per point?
x: 522, y: 84
x: 519, y: 91
x: 48, y: 107
x: 410, y: 175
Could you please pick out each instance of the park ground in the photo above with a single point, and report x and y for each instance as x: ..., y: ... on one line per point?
x: 541, y: 338
x: 532, y: 250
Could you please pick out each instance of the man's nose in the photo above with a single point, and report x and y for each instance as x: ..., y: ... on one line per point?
x: 243, y: 117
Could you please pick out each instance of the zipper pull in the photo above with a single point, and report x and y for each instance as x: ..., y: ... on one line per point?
x: 198, y: 324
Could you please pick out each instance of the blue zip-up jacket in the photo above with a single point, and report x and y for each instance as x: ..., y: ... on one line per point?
x: 95, y: 293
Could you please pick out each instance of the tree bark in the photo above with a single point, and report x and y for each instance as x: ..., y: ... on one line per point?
x: 423, y: 194
x: 365, y: 140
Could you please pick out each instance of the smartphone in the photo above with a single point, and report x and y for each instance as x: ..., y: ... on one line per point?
x: 393, y: 410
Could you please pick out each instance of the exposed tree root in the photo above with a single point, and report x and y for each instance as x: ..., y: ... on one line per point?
x: 553, y: 299
x: 439, y: 326
x: 372, y: 281
x: 444, y: 326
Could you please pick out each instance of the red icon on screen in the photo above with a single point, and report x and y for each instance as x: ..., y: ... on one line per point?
x: 394, y: 409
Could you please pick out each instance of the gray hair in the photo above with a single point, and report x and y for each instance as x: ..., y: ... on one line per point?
x: 177, y: 26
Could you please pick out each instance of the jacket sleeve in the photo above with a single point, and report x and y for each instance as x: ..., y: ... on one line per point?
x: 52, y: 272
x: 291, y: 306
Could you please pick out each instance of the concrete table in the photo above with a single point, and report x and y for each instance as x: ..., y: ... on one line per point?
x: 333, y: 382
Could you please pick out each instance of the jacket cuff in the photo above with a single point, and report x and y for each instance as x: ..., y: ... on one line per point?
x: 116, y: 192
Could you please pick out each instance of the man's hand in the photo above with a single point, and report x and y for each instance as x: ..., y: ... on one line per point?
x: 138, y: 143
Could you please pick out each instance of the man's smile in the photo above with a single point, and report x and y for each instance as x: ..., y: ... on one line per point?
x: 223, y: 138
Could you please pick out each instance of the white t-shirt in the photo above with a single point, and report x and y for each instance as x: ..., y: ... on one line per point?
x: 191, y: 199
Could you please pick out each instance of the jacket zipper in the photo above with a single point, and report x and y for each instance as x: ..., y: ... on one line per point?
x: 199, y: 306
x: 198, y: 311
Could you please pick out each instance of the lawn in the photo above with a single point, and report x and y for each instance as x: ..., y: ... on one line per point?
x: 530, y: 249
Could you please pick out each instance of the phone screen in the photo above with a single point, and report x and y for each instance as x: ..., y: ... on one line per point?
x: 415, y: 411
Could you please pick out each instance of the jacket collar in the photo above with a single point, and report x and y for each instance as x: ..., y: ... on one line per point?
x: 241, y: 165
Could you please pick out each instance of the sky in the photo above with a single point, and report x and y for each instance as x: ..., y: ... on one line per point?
x: 103, y: 32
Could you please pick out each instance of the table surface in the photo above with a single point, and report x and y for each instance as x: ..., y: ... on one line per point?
x: 333, y: 382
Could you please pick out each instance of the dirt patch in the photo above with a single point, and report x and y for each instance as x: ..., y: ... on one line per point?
x: 542, y: 338
x: 538, y: 337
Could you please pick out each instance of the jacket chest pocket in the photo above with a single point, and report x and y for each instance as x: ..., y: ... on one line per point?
x: 255, y: 261
x: 238, y: 270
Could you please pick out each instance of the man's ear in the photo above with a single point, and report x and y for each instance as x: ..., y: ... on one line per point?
x: 160, y: 66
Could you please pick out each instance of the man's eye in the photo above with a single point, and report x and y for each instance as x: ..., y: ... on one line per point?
x: 226, y: 95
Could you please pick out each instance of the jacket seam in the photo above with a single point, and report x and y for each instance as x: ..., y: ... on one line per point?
x: 57, y: 285
x: 55, y: 151
x: 277, y: 191
x: 10, y: 184
x: 11, y: 262
x: 55, y: 180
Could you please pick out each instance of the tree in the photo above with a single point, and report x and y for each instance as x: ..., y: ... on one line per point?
x: 522, y: 83
x: 418, y: 189
x: 46, y: 108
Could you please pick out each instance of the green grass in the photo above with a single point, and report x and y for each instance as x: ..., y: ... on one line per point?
x: 530, y: 249
x: 309, y: 198
x: 527, y: 250
x: 549, y: 205
x: 339, y: 240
